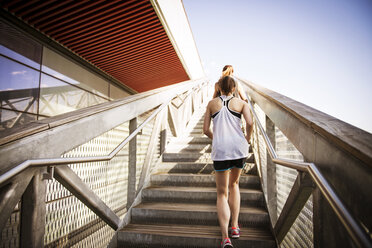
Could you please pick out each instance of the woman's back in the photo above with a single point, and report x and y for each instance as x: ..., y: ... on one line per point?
x: 235, y: 104
x: 228, y: 139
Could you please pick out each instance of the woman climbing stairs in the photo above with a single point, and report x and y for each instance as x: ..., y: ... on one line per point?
x: 178, y: 209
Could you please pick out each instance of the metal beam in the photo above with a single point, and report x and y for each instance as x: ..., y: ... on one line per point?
x: 150, y: 150
x: 300, y: 192
x: 172, y: 121
x: 132, y: 166
x: 68, y: 178
x: 271, y: 175
x: 11, y: 194
x: 33, y: 212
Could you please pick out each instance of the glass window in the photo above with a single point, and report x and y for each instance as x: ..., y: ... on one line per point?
x: 16, y: 56
x: 60, y: 67
x: 19, y: 86
x: 10, y: 119
x: 18, y: 46
x: 57, y: 97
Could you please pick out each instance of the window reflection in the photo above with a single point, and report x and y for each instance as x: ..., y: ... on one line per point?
x: 30, y: 91
x: 16, y: 56
x: 59, y: 75
x: 57, y: 97
x: 10, y: 119
x: 18, y: 86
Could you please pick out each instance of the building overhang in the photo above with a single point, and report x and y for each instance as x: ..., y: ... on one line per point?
x: 142, y: 44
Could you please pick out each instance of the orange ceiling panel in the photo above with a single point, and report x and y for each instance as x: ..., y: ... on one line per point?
x: 125, y: 39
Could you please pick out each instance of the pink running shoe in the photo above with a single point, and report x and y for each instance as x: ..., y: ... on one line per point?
x: 235, y: 232
x: 226, y: 243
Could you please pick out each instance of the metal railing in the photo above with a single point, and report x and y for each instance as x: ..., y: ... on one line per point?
x: 355, y: 230
x: 57, y: 167
x: 63, y: 161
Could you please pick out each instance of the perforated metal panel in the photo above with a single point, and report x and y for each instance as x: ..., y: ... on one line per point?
x: 68, y: 221
x: 301, y: 232
x: 259, y: 147
x: 10, y: 233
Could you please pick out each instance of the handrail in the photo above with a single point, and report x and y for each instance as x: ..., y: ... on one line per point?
x: 354, y: 229
x: 62, y: 161
x: 68, y: 178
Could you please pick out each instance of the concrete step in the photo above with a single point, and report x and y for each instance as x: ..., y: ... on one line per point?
x: 250, y: 158
x: 185, y: 167
x: 195, y: 134
x: 197, y: 128
x: 187, y: 157
x: 192, y: 140
x: 164, y: 235
x: 249, y: 197
x: 199, y: 180
x: 197, y: 168
x: 193, y: 214
x: 199, y: 148
x: 204, y: 167
x: 194, y: 155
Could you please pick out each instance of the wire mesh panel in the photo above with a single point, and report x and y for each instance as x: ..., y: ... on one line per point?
x: 10, y: 233
x: 143, y: 141
x: 301, y: 232
x: 68, y: 221
x: 260, y: 148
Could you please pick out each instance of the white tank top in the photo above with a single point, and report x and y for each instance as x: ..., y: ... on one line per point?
x: 228, y: 139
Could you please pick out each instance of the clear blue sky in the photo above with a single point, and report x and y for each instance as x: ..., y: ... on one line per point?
x: 317, y: 52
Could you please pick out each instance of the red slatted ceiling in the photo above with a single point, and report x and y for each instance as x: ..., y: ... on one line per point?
x: 123, y: 38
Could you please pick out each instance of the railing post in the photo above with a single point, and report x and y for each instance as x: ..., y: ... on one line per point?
x: 33, y: 209
x: 271, y: 174
x: 150, y: 151
x: 163, y: 132
x: 132, y: 150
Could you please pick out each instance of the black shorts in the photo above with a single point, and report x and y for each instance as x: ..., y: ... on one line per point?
x: 229, y: 164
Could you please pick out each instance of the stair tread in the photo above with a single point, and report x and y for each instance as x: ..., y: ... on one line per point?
x: 247, y: 233
x: 201, y: 207
x: 179, y: 207
x: 196, y: 189
x: 243, y: 176
x: 185, y: 163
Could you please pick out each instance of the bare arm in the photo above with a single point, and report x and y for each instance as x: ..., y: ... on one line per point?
x: 216, y: 89
x: 207, y: 123
x: 241, y: 92
x: 248, y: 120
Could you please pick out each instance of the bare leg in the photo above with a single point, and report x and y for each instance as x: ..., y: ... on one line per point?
x: 223, y: 210
x: 234, y: 196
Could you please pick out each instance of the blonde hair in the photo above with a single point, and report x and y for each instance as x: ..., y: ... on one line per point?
x: 227, y: 70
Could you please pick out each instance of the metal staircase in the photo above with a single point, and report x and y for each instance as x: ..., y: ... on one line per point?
x: 152, y: 184
x: 178, y: 208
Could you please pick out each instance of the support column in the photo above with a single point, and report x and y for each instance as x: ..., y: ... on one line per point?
x: 33, y: 211
x: 131, y: 194
x: 271, y: 174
